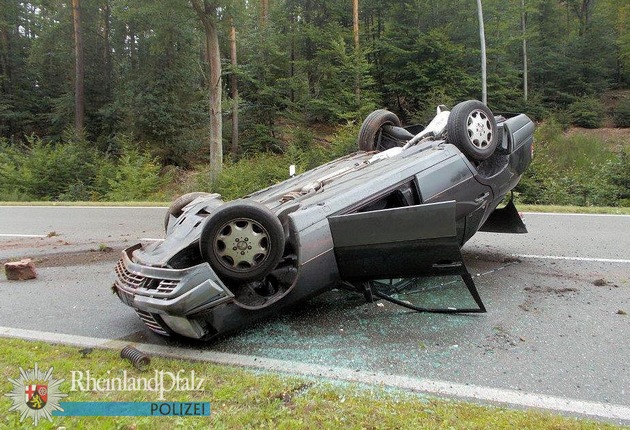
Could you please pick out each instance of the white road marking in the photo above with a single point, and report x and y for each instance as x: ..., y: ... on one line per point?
x: 556, y: 257
x: 22, y: 235
x: 574, y: 214
x: 151, y: 239
x: 619, y: 413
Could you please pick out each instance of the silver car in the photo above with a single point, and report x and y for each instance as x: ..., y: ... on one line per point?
x: 401, y: 208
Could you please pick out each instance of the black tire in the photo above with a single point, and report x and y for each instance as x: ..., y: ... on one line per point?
x: 242, y: 241
x: 178, y: 204
x: 371, y: 133
x: 472, y: 128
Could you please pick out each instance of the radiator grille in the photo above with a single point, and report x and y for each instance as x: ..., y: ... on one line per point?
x: 150, y: 321
x: 127, y: 278
x: 131, y: 280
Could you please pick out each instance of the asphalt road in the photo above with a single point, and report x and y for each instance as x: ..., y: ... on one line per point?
x: 557, y: 320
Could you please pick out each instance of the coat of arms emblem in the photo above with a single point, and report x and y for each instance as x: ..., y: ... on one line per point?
x: 36, y: 394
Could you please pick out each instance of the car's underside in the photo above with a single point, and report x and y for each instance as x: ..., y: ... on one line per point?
x: 401, y: 209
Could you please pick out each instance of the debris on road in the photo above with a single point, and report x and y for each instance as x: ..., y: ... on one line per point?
x: 604, y: 283
x: 20, y: 270
x: 102, y: 248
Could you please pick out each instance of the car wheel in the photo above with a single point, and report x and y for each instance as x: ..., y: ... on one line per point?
x: 371, y: 133
x: 472, y: 128
x: 242, y: 241
x: 178, y: 204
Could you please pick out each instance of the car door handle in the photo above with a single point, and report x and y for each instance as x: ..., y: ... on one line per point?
x: 482, y: 197
x: 447, y: 265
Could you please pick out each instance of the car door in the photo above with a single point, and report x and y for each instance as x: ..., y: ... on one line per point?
x: 400, y: 242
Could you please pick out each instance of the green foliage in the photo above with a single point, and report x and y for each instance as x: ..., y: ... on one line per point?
x: 46, y: 171
x: 422, y: 65
x: 621, y: 114
x: 251, y: 174
x: 344, y: 141
x: 145, y: 77
x: 587, y: 112
x: 534, y: 108
x: 260, y: 138
x: 334, y: 73
x: 574, y: 170
x: 136, y: 176
x: 264, y: 169
x: 74, y: 171
x: 620, y: 177
x: 258, y: 171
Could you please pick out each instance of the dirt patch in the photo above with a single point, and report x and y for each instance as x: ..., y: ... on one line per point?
x: 490, y: 257
x: 37, y: 243
x: 601, y: 282
x: 501, y: 339
x: 560, y: 292
x: 78, y: 258
x: 530, y: 303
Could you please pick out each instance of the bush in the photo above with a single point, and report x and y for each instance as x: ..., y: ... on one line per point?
x: 587, y: 113
x: 256, y: 172
x: 619, y: 173
x: 74, y: 170
x: 249, y: 174
x: 574, y: 170
x: 45, y: 171
x: 621, y: 114
x: 535, y: 108
x: 134, y: 177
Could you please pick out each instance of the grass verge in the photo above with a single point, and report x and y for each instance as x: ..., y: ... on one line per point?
x: 95, y: 204
x: 574, y: 209
x: 249, y: 399
x: 521, y: 207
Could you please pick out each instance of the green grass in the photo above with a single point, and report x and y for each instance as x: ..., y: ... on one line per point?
x: 96, y: 204
x: 248, y: 399
x: 574, y: 209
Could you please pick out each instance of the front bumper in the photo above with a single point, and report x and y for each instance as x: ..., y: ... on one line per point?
x: 164, y: 298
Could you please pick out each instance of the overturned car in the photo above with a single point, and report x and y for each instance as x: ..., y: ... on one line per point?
x: 400, y: 208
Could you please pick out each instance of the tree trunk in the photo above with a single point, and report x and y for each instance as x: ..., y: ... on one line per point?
x: 6, y: 70
x: 524, y: 28
x: 79, y: 69
x: 5, y: 56
x: 131, y: 43
x: 355, y: 22
x: 264, y: 12
x: 584, y: 11
x: 355, y: 29
x: 234, y: 85
x: 107, y: 48
x: 207, y: 15
x: 482, y: 37
x: 292, y: 55
x: 216, y: 121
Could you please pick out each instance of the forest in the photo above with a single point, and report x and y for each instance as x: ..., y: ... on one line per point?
x: 96, y: 95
